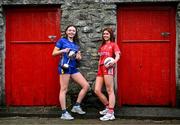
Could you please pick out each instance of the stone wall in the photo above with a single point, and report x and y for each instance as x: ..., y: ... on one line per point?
x: 2, y: 47
x: 90, y: 20
x: 178, y: 55
x: 90, y: 17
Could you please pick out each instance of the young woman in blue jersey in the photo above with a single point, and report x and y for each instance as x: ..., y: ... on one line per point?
x: 63, y: 48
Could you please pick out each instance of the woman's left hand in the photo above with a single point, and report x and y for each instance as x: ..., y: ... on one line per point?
x: 117, y: 57
x: 78, y: 55
x: 111, y: 64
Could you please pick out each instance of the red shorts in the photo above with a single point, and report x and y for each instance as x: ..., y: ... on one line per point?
x: 102, y: 70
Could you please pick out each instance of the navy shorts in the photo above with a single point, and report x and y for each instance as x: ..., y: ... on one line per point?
x: 70, y: 70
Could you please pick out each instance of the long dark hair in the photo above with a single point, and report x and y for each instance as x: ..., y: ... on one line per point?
x: 112, y: 38
x: 76, y: 38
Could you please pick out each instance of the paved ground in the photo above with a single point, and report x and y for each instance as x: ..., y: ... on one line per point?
x: 57, y: 121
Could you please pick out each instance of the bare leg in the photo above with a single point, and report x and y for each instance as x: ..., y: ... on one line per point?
x: 97, y: 90
x: 110, y: 89
x: 64, y: 82
x: 79, y: 79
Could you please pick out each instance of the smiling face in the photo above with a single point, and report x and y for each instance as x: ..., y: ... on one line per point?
x: 106, y: 35
x: 71, y: 32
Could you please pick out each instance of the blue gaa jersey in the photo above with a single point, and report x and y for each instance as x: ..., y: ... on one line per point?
x: 65, y: 43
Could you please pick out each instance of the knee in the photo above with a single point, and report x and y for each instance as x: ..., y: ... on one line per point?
x: 110, y: 91
x: 86, y: 87
x: 63, y: 90
x: 97, y: 91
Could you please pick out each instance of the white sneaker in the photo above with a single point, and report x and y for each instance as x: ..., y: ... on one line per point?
x: 103, y: 112
x: 107, y: 116
x: 66, y: 116
x: 77, y: 109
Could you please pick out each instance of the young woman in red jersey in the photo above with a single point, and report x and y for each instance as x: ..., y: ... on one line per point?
x: 105, y: 74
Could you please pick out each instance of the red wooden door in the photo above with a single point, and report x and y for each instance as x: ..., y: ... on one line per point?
x: 146, y: 71
x: 31, y: 77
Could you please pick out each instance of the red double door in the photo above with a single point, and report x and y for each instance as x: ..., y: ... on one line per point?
x: 31, y: 76
x: 146, y: 71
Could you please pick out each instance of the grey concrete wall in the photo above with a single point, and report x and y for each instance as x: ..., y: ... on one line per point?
x: 90, y: 16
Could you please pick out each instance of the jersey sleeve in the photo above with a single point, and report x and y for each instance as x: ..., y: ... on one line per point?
x: 99, y: 51
x: 59, y: 43
x: 116, y: 48
x: 76, y: 48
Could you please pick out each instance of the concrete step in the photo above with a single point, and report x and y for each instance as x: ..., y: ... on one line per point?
x: 123, y: 112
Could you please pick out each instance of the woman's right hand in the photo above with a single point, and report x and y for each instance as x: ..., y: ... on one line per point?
x: 66, y: 50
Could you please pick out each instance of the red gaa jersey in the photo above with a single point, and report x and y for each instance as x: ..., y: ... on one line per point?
x: 108, y: 50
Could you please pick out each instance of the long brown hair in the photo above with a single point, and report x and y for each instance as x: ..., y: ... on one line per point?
x: 75, y: 38
x: 112, y: 38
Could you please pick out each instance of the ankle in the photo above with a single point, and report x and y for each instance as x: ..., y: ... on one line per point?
x: 107, y: 106
x: 77, y: 104
x: 111, y: 110
x: 64, y: 111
